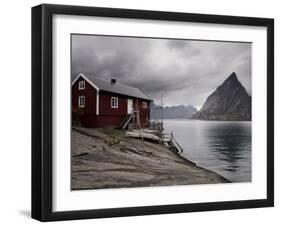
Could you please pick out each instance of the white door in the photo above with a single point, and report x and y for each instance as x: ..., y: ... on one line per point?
x: 130, y: 106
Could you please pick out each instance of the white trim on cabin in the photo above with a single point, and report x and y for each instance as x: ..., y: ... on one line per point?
x: 98, y: 103
x: 93, y: 85
x: 84, y: 77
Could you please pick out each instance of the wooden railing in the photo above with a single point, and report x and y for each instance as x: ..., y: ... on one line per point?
x: 171, y: 142
x: 156, y: 125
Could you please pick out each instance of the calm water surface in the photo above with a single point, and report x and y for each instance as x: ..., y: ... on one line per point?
x: 224, y: 147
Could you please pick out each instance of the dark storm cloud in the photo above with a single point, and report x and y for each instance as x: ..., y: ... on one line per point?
x: 184, y: 48
x: 184, y: 71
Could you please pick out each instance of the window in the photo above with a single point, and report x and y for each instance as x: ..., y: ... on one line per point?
x: 144, y: 104
x: 81, y: 101
x: 114, y: 102
x: 81, y: 85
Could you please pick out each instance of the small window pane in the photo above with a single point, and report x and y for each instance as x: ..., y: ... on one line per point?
x: 144, y: 104
x: 81, y: 85
x: 114, y: 102
x: 81, y: 101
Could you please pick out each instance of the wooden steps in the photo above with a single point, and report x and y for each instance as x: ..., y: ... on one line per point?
x: 174, y: 147
x: 172, y: 144
x: 126, y: 121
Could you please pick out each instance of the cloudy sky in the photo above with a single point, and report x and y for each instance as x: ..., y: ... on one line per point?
x: 184, y: 71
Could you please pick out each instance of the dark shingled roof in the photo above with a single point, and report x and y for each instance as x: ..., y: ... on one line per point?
x: 117, y: 87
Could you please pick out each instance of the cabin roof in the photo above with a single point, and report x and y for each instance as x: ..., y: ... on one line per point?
x: 117, y: 87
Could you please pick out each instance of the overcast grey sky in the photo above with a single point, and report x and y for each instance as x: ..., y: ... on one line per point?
x: 184, y: 71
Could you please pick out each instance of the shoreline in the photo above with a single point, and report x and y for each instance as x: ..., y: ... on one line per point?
x: 104, y: 158
x: 205, y: 120
x: 203, y: 168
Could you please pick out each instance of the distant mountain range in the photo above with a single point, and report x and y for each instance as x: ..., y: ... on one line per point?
x: 230, y: 101
x: 173, y: 112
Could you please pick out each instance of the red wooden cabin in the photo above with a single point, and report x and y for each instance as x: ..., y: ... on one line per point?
x: 103, y: 103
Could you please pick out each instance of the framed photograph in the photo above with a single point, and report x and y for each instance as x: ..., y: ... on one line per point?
x: 145, y: 112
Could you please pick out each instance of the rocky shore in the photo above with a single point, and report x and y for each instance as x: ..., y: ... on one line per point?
x: 106, y: 158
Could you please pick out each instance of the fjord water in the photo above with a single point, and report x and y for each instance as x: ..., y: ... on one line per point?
x: 221, y: 146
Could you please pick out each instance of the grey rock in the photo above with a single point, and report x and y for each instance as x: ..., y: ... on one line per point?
x: 130, y: 163
x: 230, y: 102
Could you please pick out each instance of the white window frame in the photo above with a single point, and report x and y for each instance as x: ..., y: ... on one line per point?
x: 81, y: 85
x: 80, y: 103
x: 114, y: 102
x: 144, y: 105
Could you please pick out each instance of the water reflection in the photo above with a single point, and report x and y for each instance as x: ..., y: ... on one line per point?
x: 230, y: 143
x: 224, y: 147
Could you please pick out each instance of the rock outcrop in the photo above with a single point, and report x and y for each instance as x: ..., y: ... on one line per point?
x: 106, y: 158
x: 230, y: 101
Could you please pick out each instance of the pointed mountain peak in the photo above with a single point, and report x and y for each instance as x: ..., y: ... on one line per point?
x: 231, y: 80
x: 232, y: 77
x: 229, y: 101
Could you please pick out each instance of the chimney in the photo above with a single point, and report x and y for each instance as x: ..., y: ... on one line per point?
x: 113, y: 81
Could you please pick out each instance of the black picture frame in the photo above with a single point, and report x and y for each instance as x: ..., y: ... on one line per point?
x: 42, y: 111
